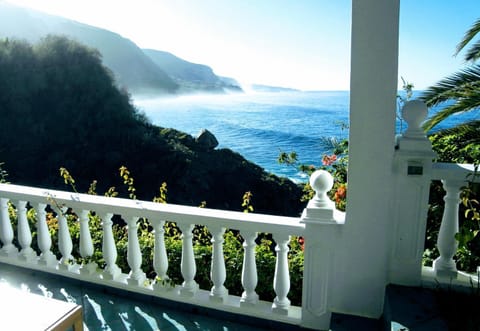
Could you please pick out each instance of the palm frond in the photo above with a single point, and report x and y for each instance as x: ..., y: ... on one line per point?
x: 454, y: 87
x: 469, y: 132
x: 473, y: 52
x: 469, y: 35
x: 461, y: 105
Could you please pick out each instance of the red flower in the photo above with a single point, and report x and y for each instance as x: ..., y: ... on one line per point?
x: 328, y: 160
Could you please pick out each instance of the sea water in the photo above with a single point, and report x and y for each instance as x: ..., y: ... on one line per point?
x: 260, y: 126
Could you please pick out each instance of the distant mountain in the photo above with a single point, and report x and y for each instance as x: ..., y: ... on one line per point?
x: 268, y: 88
x: 191, y: 76
x: 139, y: 71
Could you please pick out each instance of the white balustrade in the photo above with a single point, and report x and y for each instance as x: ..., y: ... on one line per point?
x: 185, y: 217
x: 44, y: 240
x: 24, y: 233
x: 65, y: 244
x: 111, y: 271
x: 281, y: 281
x: 134, y: 254
x: 217, y: 272
x: 187, y: 264
x: 160, y: 258
x: 6, y: 230
x: 249, y: 270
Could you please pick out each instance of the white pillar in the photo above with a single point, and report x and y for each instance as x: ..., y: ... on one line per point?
x: 160, y: 259
x: 86, y: 244
x: 413, y: 174
x: 373, y: 88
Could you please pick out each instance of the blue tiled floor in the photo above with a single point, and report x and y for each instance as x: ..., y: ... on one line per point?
x: 104, y: 311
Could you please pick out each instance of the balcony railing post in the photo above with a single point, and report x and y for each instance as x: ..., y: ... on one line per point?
x: 249, y: 270
x: 24, y: 233
x: 44, y: 240
x: 413, y: 175
x: 65, y: 244
x: 134, y: 254
x: 160, y: 259
x: 218, y: 273
x: 281, y: 281
x: 6, y: 230
x: 86, y: 244
x: 109, y: 249
x: 323, y: 225
x: 188, y: 267
x: 445, y: 266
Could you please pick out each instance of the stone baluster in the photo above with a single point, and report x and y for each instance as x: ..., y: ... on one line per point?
x: 160, y: 259
x: 65, y: 244
x: 218, y: 274
x: 134, y: 254
x: 188, y: 267
x: 447, y: 244
x: 281, y: 281
x: 6, y: 230
x: 109, y: 250
x: 86, y: 244
x: 249, y: 270
x: 24, y: 234
x: 44, y: 239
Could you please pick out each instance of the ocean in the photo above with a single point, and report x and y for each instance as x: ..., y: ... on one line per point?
x: 260, y: 126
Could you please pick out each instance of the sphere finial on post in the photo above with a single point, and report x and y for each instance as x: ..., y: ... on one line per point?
x: 320, y: 207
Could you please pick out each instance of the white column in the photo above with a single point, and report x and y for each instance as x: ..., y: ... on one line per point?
x: 188, y: 267
x: 86, y: 244
x: 6, y: 230
x: 445, y: 266
x: 44, y: 239
x: 65, y: 244
x: 218, y: 274
x: 249, y: 270
x: 24, y: 234
x: 109, y: 250
x: 134, y: 254
x: 160, y: 258
x: 281, y: 281
x: 361, y: 278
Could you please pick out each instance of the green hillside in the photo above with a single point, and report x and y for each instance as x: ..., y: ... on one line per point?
x: 61, y: 108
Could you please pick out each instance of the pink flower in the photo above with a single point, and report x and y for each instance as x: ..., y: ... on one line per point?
x: 328, y: 160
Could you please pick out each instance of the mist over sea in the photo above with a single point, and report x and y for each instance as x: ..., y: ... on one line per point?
x: 261, y: 125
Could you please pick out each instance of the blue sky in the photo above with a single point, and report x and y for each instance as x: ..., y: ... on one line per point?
x: 303, y: 44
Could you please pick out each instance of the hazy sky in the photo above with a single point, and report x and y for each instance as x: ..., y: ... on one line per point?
x: 294, y: 43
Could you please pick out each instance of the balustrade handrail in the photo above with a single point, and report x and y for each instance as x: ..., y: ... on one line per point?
x: 156, y: 211
x: 455, y: 171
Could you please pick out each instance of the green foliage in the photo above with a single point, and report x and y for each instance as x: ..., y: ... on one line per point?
x: 3, y: 174
x: 335, y: 163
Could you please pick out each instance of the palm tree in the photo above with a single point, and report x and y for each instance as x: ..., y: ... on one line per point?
x: 462, y: 89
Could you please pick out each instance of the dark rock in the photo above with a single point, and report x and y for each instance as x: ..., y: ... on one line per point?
x: 206, y: 140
